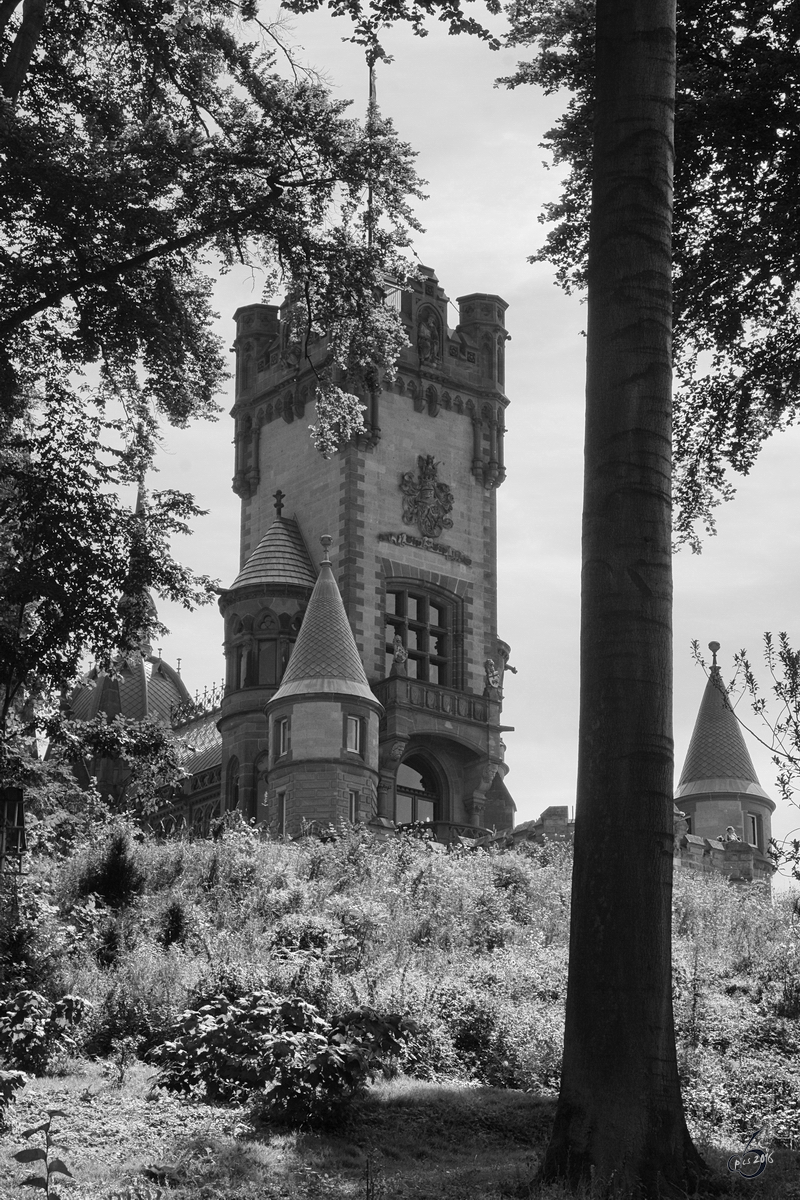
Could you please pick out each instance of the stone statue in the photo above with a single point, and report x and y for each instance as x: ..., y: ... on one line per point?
x: 399, y: 656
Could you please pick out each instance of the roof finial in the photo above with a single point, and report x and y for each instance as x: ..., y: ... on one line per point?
x: 325, y: 541
x: 714, y: 647
x: 279, y: 498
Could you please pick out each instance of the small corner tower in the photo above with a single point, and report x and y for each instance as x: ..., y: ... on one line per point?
x: 323, y: 723
x: 727, y: 812
x: 262, y: 609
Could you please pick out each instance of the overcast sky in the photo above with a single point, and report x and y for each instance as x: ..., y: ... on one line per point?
x: 479, y: 151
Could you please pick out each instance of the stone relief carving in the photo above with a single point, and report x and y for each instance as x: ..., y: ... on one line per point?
x: 427, y: 501
x: 428, y: 338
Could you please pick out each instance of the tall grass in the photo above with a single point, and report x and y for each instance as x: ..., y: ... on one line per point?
x: 472, y: 946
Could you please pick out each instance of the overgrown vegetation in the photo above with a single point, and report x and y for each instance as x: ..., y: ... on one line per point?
x: 282, y: 977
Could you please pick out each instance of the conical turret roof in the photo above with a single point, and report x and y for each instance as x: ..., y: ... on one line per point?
x: 279, y: 558
x: 325, y: 657
x: 718, y: 759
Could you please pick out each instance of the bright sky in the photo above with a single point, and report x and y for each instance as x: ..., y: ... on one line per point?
x: 479, y: 151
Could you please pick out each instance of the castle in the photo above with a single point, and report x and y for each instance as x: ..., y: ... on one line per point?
x: 363, y: 668
x: 366, y: 686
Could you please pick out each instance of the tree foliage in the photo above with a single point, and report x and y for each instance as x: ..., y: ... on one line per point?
x: 147, y: 146
x: 69, y: 551
x: 736, y: 204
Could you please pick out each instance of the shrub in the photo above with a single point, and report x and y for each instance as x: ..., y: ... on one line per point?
x: 33, y: 1031
x: 294, y: 1064
x: 10, y: 1082
x: 174, y: 923
x: 111, y: 871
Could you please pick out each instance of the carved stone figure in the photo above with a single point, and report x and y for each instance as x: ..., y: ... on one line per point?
x: 428, y: 339
x: 400, y: 656
x: 492, y: 677
x: 427, y: 501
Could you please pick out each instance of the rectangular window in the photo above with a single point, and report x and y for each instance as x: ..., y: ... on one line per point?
x: 282, y: 814
x: 281, y: 737
x: 352, y: 798
x: 753, y: 828
x: 425, y: 627
x: 353, y: 735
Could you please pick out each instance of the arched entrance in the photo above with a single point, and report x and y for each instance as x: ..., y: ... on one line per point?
x: 419, y: 792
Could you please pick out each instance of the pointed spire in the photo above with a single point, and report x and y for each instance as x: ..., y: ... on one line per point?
x: 280, y: 557
x: 717, y: 759
x: 325, y: 657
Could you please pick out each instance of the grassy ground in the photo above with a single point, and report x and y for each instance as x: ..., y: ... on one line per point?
x: 405, y: 1140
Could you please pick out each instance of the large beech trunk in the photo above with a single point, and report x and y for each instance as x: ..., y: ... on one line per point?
x: 620, y: 1120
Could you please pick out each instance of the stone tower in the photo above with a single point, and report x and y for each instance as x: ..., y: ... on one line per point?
x: 411, y: 510
x: 727, y: 812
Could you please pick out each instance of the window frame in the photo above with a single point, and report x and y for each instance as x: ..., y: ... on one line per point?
x: 356, y: 722
x: 756, y: 828
x: 282, y: 732
x: 424, y: 632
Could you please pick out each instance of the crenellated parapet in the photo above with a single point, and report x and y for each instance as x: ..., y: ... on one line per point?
x: 457, y: 371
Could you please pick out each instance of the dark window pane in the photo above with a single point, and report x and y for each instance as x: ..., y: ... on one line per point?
x: 268, y: 664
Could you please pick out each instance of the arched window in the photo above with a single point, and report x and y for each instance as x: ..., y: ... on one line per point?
x: 418, y: 794
x: 425, y: 624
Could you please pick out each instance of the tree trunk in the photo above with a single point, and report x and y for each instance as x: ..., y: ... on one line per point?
x: 620, y: 1121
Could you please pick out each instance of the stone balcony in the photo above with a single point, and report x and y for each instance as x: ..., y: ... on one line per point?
x: 453, y: 705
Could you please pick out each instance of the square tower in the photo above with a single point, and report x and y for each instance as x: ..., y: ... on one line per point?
x: 411, y: 510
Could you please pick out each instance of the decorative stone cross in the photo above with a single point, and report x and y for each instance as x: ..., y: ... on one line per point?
x: 279, y: 497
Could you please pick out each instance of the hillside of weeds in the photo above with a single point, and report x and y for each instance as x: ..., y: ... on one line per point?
x: 465, y: 952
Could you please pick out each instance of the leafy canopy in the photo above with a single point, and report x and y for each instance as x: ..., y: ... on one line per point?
x: 147, y: 146
x: 736, y: 214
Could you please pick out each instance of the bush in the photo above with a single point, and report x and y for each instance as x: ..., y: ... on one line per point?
x: 296, y: 1066
x: 33, y: 1031
x: 10, y: 1082
x: 111, y: 871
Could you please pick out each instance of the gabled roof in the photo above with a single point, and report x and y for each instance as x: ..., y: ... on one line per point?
x: 325, y: 657
x: 718, y: 759
x: 279, y: 558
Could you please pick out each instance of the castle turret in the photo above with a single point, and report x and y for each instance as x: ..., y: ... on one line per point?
x: 323, y: 723
x: 725, y: 806
x: 263, y: 610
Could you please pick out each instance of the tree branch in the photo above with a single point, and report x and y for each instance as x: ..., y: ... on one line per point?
x: 114, y: 270
x: 21, y: 52
x: 7, y: 8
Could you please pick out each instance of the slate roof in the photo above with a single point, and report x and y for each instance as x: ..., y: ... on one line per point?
x: 325, y: 657
x: 717, y: 759
x: 146, y: 687
x: 280, y: 557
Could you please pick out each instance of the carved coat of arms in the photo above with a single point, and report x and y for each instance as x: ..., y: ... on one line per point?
x: 427, y: 501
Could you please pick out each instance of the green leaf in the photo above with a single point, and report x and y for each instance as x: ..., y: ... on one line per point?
x: 57, y: 1164
x: 30, y: 1155
x: 35, y: 1181
x: 55, y: 1112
